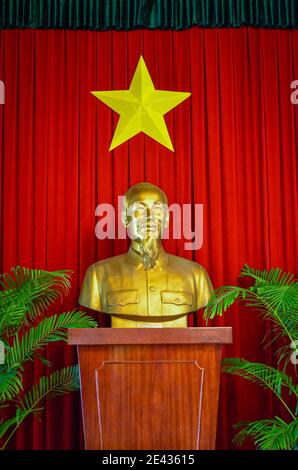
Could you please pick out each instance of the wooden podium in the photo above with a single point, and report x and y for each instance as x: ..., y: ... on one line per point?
x: 150, y: 388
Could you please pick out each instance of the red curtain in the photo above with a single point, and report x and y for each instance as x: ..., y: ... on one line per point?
x: 235, y: 145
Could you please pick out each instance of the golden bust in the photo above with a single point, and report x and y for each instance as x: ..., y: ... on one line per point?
x: 146, y: 286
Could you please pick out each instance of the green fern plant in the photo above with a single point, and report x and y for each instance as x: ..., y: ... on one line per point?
x: 274, y: 294
x: 25, y: 331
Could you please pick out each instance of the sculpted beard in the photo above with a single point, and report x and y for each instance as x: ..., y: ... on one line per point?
x: 149, y: 251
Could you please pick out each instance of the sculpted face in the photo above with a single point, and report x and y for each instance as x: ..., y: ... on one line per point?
x: 146, y: 212
x: 146, y: 217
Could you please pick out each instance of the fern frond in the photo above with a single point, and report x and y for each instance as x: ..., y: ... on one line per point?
x: 27, y: 291
x: 283, y: 331
x: 269, y: 434
x: 279, y: 297
x: 284, y: 356
x: 58, y: 383
x: 12, y: 314
x: 10, y: 384
x: 222, y: 299
x: 275, y: 276
x: 21, y: 276
x: 48, y: 330
x: 262, y: 374
x: 6, y: 425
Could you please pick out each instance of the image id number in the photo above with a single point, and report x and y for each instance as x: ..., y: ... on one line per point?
x: 169, y: 459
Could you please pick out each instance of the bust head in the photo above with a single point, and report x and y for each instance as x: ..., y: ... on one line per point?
x: 146, y: 216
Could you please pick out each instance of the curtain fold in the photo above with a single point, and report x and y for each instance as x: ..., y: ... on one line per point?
x: 235, y: 142
x: 125, y: 15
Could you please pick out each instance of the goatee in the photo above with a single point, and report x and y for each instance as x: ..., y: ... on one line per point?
x: 149, y: 251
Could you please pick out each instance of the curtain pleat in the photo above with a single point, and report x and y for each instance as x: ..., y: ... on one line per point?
x: 125, y: 15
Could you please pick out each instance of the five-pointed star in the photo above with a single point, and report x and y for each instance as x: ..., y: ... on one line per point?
x: 141, y: 108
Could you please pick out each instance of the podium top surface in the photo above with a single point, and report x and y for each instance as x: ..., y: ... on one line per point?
x: 114, y: 336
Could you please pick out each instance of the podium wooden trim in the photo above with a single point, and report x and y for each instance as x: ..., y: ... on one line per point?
x: 150, y: 388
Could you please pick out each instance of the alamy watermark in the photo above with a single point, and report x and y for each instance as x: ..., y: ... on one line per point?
x: 2, y: 352
x: 2, y: 92
x: 294, y: 355
x: 187, y: 222
x: 294, y: 94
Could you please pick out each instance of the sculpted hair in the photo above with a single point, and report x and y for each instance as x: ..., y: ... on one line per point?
x: 145, y: 186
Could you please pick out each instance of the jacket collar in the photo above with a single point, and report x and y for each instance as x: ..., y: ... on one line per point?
x: 133, y: 258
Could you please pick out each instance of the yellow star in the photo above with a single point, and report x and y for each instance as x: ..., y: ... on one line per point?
x: 141, y: 108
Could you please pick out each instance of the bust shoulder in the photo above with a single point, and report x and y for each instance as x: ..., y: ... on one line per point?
x: 107, y: 262
x: 187, y: 264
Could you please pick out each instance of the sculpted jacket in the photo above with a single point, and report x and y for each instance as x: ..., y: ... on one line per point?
x: 121, y: 287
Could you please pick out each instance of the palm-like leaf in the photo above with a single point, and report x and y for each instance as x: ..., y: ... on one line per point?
x: 279, y: 297
x: 26, y: 291
x: 269, y: 434
x: 6, y: 425
x: 24, y: 295
x: 59, y: 383
x: 284, y: 333
x: 13, y: 313
x: 10, y: 384
x: 222, y: 299
x: 275, y: 295
x: 48, y: 330
x: 262, y: 374
x: 275, y: 276
x: 20, y: 277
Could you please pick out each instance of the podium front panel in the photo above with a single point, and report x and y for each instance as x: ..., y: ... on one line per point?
x: 146, y: 404
x: 150, y: 396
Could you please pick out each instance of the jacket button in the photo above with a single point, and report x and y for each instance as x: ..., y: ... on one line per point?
x: 178, y: 301
x: 122, y: 301
x: 152, y: 288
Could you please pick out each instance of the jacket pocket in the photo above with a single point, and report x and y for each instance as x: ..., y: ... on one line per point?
x: 176, y: 297
x: 122, y: 297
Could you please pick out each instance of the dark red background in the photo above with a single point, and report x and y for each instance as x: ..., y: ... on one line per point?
x: 235, y: 145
